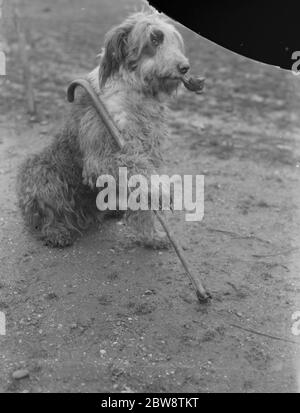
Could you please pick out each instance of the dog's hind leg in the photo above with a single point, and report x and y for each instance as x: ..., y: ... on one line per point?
x: 48, y: 203
x: 54, y: 228
x: 55, y: 233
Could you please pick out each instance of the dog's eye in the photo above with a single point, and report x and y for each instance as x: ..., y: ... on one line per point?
x: 155, y: 41
x: 157, y: 37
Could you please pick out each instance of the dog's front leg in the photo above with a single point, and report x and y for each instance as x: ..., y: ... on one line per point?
x: 143, y: 222
x: 96, y: 147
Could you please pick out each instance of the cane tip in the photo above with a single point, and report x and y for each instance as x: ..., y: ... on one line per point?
x: 204, y: 298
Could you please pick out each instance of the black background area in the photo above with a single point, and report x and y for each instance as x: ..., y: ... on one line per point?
x: 267, y: 31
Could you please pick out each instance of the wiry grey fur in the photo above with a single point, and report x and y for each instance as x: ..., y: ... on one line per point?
x: 138, y: 72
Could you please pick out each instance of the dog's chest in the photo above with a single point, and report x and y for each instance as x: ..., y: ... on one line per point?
x: 141, y: 121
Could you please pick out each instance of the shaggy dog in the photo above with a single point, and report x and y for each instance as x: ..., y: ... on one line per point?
x: 141, y: 65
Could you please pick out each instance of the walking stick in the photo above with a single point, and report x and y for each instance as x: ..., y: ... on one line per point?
x: 202, y: 295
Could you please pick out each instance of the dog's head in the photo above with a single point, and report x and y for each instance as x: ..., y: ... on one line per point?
x: 148, y: 50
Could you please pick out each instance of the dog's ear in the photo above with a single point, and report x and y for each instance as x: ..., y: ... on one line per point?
x: 115, y: 51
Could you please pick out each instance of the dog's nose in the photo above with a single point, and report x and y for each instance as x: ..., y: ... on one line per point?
x: 183, y: 68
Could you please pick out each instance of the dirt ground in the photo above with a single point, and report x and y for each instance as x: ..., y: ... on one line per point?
x: 107, y: 315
